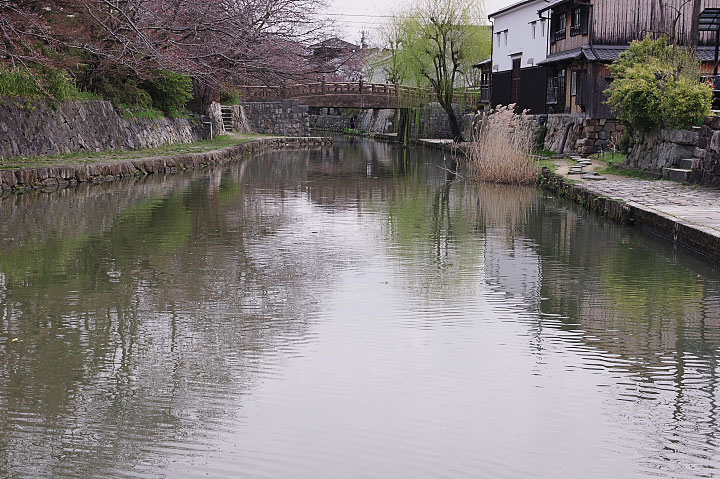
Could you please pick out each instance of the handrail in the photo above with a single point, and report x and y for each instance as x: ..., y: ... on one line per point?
x: 395, y: 94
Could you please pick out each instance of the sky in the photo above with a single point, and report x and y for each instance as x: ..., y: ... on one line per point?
x: 352, y: 16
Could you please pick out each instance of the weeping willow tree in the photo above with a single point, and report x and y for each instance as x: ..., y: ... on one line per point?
x: 435, y: 43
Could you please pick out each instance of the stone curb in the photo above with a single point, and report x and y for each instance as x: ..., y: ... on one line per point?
x: 62, y: 176
x: 696, y: 238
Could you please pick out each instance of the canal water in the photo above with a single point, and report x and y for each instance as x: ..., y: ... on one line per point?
x: 347, y: 314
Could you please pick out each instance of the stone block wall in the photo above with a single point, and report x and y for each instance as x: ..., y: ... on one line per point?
x: 372, y: 120
x: 51, y: 178
x: 655, y: 150
x: 431, y: 121
x: 287, y: 118
x: 582, y: 136
x: 696, y: 150
x: 43, y: 127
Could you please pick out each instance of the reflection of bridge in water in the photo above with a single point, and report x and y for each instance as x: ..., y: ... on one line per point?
x: 353, y: 95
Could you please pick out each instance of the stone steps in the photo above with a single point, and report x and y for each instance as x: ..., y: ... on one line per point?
x: 677, y: 174
x: 688, y: 163
x: 226, y: 114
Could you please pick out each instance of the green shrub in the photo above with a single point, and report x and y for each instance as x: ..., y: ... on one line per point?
x: 230, y: 97
x: 170, y: 91
x: 624, y: 144
x: 148, y: 113
x: 122, y: 92
x: 658, y: 85
x: 38, y: 83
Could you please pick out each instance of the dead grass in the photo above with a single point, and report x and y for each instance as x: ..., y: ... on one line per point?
x: 502, y: 149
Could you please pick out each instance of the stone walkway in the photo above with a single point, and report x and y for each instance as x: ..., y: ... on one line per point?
x: 693, y: 206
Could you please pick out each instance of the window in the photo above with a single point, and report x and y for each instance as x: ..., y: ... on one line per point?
x: 542, y: 27
x: 505, y: 35
x: 558, y: 27
x: 498, y: 38
x: 532, y: 29
x: 573, y: 83
x: 579, y: 21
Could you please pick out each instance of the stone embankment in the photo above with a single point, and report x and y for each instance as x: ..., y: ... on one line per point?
x: 687, y: 216
x: 55, y: 177
x: 43, y: 127
x: 576, y: 134
x: 287, y: 118
x: 427, y: 121
x: 691, y: 156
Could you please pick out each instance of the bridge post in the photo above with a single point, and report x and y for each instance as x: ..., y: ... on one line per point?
x: 362, y: 100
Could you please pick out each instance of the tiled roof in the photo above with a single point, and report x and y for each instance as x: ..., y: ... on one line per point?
x: 484, y: 62
x: 706, y: 54
x: 610, y: 53
x: 562, y: 56
x: 604, y: 53
x: 515, y: 5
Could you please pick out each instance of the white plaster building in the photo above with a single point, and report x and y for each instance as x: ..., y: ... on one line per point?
x: 520, y: 42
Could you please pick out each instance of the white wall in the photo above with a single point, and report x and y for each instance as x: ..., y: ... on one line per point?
x: 512, y: 34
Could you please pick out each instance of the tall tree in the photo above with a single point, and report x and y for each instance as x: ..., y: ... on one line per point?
x: 441, y: 40
x: 215, y: 41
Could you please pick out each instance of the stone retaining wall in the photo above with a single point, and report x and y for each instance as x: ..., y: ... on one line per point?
x: 43, y: 127
x: 653, y: 151
x: 584, y: 136
x: 428, y: 121
x: 372, y: 120
x: 683, y: 155
x: 286, y: 117
x: 54, y: 177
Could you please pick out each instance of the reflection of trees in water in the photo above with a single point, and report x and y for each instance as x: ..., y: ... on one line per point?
x: 604, y: 277
x: 211, y: 271
x: 136, y: 328
x: 641, y: 309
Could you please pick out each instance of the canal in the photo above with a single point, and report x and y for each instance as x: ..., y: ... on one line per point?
x: 347, y: 314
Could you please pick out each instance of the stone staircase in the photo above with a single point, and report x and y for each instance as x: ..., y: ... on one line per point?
x: 227, y: 118
x: 682, y: 170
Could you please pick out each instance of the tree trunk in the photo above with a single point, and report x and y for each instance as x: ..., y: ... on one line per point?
x: 454, y: 123
x: 695, y: 25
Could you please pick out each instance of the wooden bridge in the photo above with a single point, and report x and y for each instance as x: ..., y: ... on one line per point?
x: 353, y: 95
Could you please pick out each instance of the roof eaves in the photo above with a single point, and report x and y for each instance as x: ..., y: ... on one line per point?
x: 553, y: 5
x: 511, y: 7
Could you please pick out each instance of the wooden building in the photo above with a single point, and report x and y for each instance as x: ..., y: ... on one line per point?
x: 587, y: 35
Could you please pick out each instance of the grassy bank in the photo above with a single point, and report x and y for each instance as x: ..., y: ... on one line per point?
x: 85, y: 157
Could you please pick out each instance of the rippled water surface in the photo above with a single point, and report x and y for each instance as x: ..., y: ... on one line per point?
x: 346, y: 314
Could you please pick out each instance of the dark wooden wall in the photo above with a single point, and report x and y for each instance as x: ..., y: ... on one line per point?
x: 501, y: 87
x: 532, y: 89
x: 617, y: 22
x: 596, y: 78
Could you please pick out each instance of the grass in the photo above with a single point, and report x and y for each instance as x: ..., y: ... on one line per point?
x: 149, y: 113
x: 549, y: 164
x: 547, y: 154
x: 86, y: 157
x: 614, y: 162
x: 627, y: 173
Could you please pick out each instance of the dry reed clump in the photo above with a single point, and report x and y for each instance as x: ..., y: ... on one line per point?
x: 501, y: 151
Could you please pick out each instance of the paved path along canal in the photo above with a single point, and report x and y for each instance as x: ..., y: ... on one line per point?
x: 693, y: 206
x: 346, y: 313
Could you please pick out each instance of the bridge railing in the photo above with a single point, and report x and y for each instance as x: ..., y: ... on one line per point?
x: 395, y: 95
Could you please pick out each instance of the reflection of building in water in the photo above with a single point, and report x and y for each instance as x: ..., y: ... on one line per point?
x: 514, y: 266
